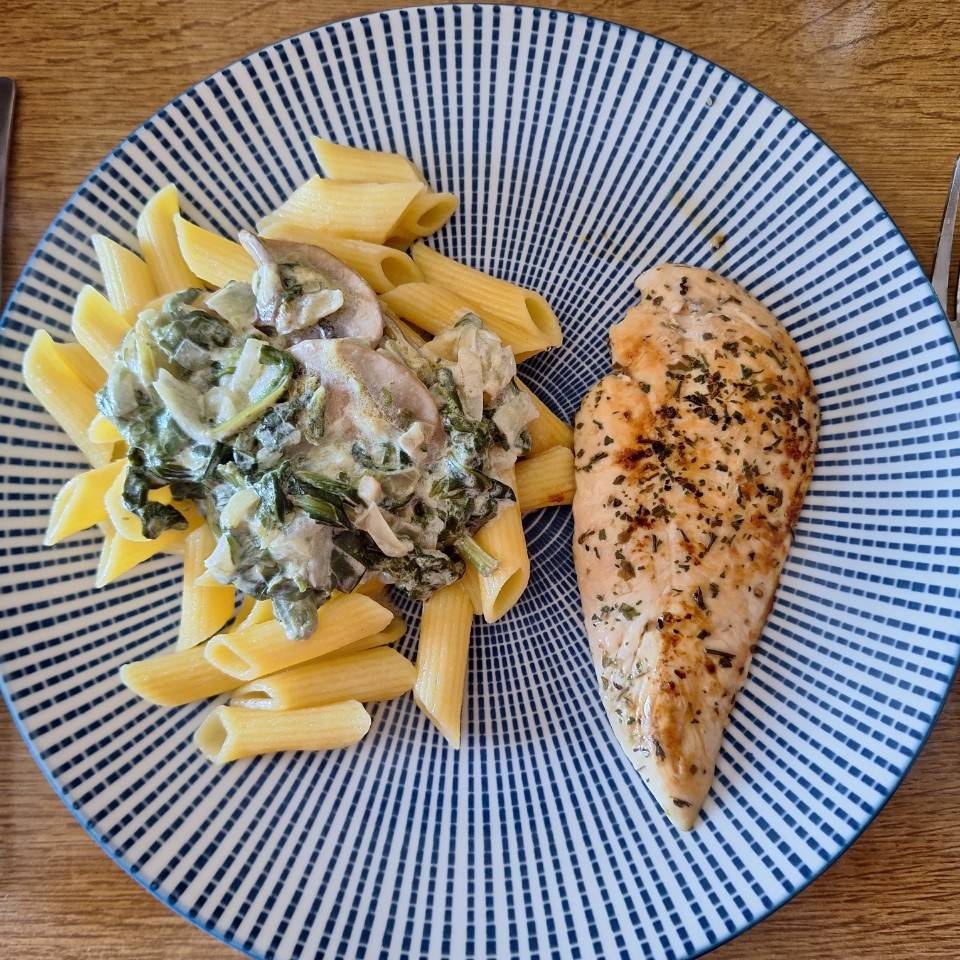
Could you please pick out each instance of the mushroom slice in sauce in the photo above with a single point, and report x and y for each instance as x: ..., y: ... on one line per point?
x: 364, y: 385
x: 299, y: 286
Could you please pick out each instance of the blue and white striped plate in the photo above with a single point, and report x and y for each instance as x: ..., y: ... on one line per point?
x: 584, y: 153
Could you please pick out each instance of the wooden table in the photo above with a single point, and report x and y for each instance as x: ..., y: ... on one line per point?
x: 880, y: 80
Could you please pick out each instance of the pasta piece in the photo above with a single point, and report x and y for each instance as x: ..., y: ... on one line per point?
x: 230, y: 733
x: 214, y: 259
x: 503, y: 539
x: 88, y: 371
x: 127, y: 525
x: 339, y: 162
x: 379, y: 674
x: 119, y: 555
x: 206, y: 579
x: 393, y: 632
x: 434, y: 308
x: 260, y: 612
x: 241, y: 613
x: 256, y: 651
x: 126, y: 277
x: 80, y: 503
x: 97, y: 326
x: 172, y: 679
x: 547, y: 430
x: 382, y: 267
x: 546, y: 480
x: 442, y: 659
x: 102, y: 430
x: 494, y: 298
x: 157, y: 237
x: 362, y: 211
x: 373, y: 587
x: 427, y: 214
x: 471, y: 583
x: 60, y: 391
x: 204, y: 609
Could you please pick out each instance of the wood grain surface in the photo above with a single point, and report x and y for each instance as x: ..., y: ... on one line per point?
x: 879, y: 80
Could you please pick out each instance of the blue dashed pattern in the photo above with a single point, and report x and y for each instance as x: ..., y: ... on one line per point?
x: 583, y: 153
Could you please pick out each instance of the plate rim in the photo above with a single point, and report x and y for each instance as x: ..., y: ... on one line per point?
x: 554, y: 13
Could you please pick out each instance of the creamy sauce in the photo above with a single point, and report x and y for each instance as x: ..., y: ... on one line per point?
x: 319, y: 448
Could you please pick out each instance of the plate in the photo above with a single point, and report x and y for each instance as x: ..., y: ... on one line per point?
x: 583, y: 152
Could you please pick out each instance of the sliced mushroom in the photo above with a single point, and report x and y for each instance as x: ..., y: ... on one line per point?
x: 360, y: 381
x: 359, y: 317
x: 372, y: 521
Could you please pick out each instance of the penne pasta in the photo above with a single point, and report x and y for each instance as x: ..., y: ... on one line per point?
x: 172, y: 679
x: 206, y: 609
x: 126, y: 277
x: 546, y: 480
x: 361, y: 211
x: 258, y: 650
x: 434, y: 308
x: 442, y: 659
x: 427, y: 213
x: 296, y: 694
x: 382, y: 267
x: 241, y: 613
x: 158, y: 241
x: 230, y: 733
x: 548, y: 430
x: 214, y: 259
x: 372, y: 587
x: 120, y: 556
x: 59, y: 390
x: 390, y: 634
x: 260, y: 612
x: 101, y: 430
x: 471, y: 583
x: 378, y: 674
x: 339, y: 162
x: 88, y: 371
x: 493, y: 298
x: 80, y: 502
x: 98, y: 327
x: 503, y: 539
x: 127, y: 525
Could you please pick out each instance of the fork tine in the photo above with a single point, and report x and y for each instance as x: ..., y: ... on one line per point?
x: 941, y: 264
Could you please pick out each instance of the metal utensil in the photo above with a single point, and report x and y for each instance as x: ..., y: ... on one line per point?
x: 941, y: 264
x: 8, y: 94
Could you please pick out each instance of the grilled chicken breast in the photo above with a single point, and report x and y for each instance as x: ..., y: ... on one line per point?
x: 693, y: 458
